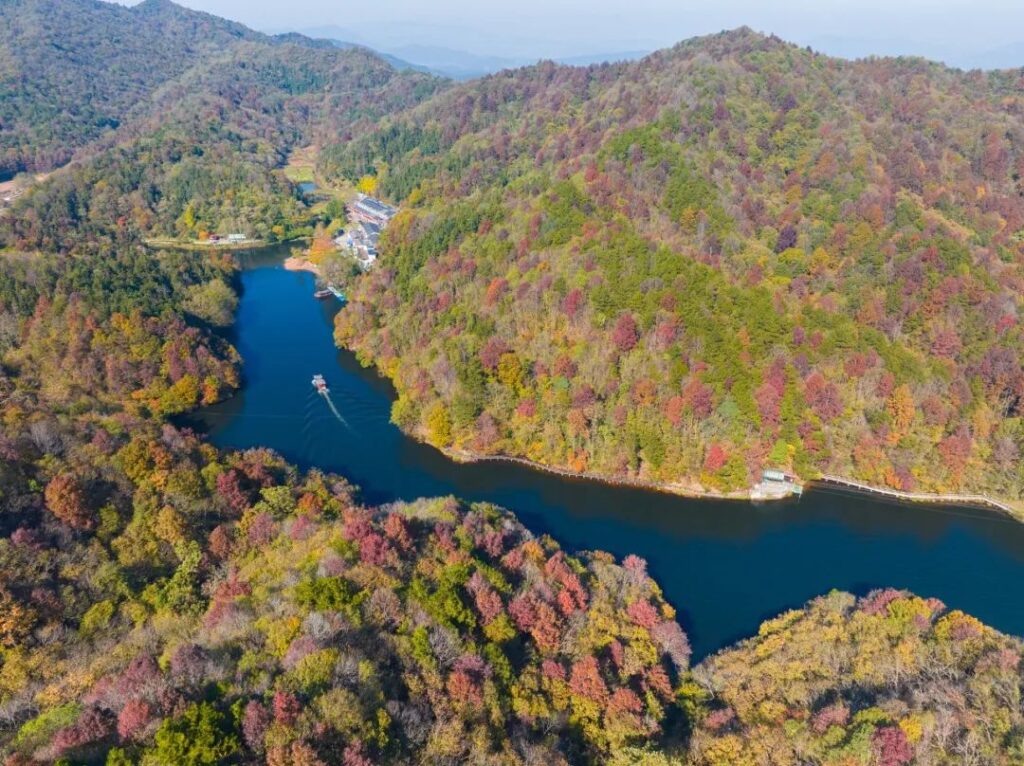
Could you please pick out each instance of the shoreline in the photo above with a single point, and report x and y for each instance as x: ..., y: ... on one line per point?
x: 224, y: 246
x: 297, y: 263
x: 680, y: 489
x: 825, y: 482
x: 215, y: 246
x: 853, y: 486
x: 668, y: 488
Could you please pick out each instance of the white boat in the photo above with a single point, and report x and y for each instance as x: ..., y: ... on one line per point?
x: 320, y: 384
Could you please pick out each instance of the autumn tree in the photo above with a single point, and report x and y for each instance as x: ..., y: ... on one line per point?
x: 66, y: 498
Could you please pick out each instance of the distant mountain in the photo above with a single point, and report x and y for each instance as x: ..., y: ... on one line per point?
x: 344, y: 39
x: 451, y: 62
x: 400, y: 64
x: 459, y: 65
x: 1010, y: 56
x: 602, y: 58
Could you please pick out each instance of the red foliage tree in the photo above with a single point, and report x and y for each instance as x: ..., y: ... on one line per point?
x: 93, y: 725
x: 643, y: 614
x: 355, y: 755
x: 769, y: 401
x: 955, y: 450
x: 674, y: 408
x: 495, y: 290
x: 220, y: 542
x: 66, y: 499
x: 255, y: 722
x: 463, y: 689
x: 585, y: 680
x: 547, y: 628
x: 837, y: 714
x: 892, y: 747
x: 572, y: 302
x: 625, y: 334
x: 133, y: 718
x: 492, y: 351
x: 375, y: 550
x: 229, y: 487
x: 523, y: 611
x: 699, y: 398
x: 396, y: 527
x: 624, y: 703
x: 286, y: 708
x: 716, y: 458
x: 261, y: 529
x: 823, y: 396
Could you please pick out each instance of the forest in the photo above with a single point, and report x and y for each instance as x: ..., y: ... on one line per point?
x: 734, y: 254
x: 163, y: 602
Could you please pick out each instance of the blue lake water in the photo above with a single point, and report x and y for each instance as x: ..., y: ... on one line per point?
x: 726, y: 566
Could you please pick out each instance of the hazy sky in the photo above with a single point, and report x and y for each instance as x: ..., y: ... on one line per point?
x: 953, y: 30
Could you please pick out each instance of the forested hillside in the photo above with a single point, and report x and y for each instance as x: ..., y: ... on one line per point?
x: 207, y: 159
x: 732, y: 254
x: 72, y: 70
x: 164, y: 603
x: 199, y: 143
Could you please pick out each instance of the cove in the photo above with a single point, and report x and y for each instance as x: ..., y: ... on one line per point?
x: 725, y: 565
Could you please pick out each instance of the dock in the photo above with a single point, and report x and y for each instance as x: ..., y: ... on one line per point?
x: 776, y: 484
x: 917, y: 497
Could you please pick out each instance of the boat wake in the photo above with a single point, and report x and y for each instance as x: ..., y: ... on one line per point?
x: 330, y: 403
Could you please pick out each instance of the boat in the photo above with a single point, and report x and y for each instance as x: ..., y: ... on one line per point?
x: 321, y: 294
x: 320, y: 384
x: 337, y: 293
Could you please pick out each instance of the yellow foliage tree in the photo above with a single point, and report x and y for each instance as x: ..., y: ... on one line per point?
x: 439, y: 425
x: 901, y: 408
x: 367, y: 184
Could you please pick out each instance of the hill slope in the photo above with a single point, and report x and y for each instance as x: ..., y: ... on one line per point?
x: 734, y: 253
x: 73, y: 70
x: 202, y: 115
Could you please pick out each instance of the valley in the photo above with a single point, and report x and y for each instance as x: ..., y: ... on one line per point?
x: 732, y: 263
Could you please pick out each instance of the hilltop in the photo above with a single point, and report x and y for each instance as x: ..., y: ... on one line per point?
x: 730, y: 255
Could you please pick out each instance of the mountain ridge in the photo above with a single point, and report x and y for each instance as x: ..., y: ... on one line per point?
x: 121, y: 56
x: 821, y: 190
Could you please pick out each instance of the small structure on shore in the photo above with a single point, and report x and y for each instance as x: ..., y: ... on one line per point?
x: 776, y: 484
x: 369, y: 217
x: 370, y: 210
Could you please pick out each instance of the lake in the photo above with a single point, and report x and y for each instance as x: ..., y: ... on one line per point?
x: 725, y: 565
